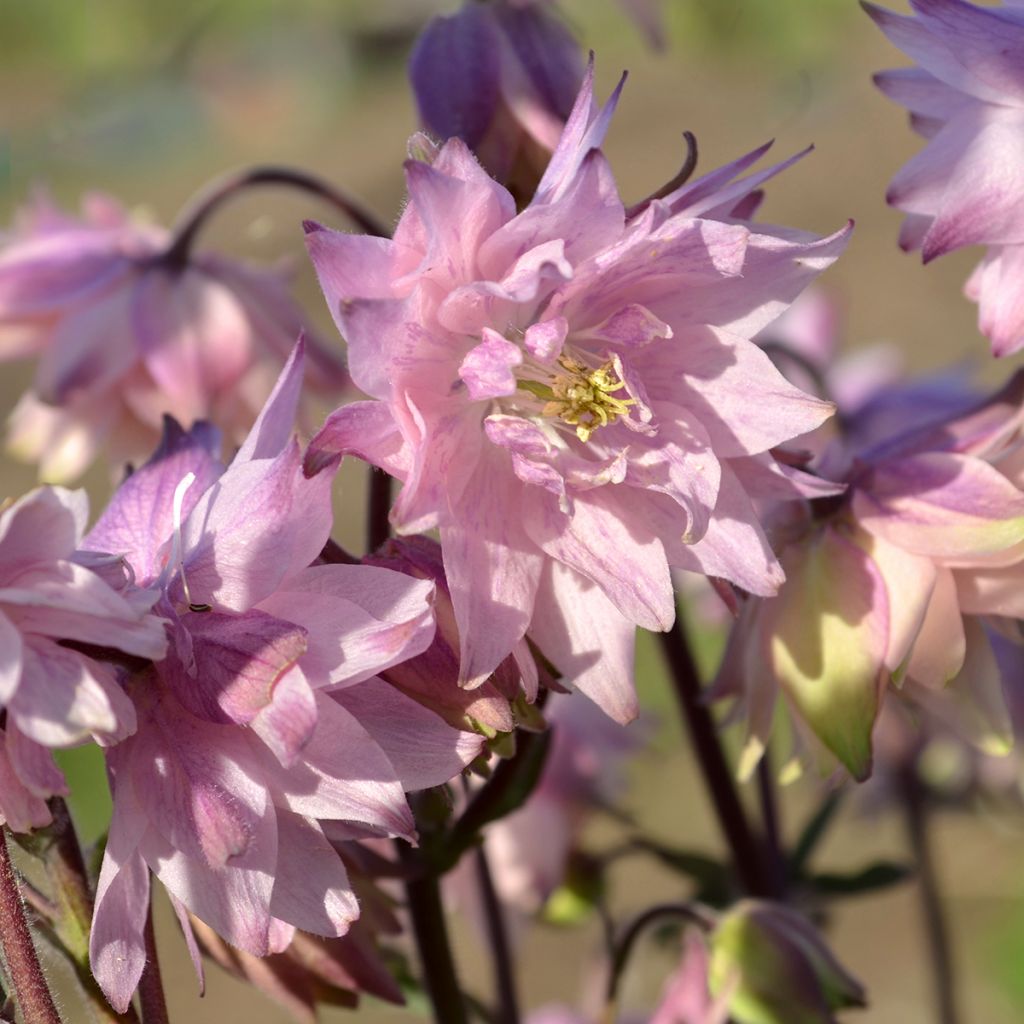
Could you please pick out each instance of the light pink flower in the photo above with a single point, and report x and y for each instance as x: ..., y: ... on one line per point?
x: 889, y: 584
x: 265, y: 728
x: 966, y: 187
x: 53, y: 695
x: 123, y: 338
x: 569, y: 394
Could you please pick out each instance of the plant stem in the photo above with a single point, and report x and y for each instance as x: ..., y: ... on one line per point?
x: 423, y: 896
x: 151, y: 987
x: 624, y: 946
x: 195, y: 215
x: 501, y: 952
x: 748, y: 860
x: 774, y: 849
x: 378, y: 526
x: 31, y: 992
x: 915, y: 809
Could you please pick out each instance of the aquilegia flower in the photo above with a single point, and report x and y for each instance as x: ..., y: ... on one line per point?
x: 965, y: 187
x: 124, y: 336
x: 51, y: 693
x: 569, y: 394
x: 265, y: 725
x: 894, y: 582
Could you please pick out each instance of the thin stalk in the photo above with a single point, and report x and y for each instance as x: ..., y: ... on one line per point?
x: 497, y: 934
x: 915, y: 810
x: 623, y: 946
x: 378, y: 526
x: 423, y: 898
x: 770, y: 823
x: 152, y: 1002
x: 196, y: 214
x: 749, y: 863
x: 30, y: 990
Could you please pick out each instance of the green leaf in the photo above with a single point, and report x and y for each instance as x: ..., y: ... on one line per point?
x: 882, y: 875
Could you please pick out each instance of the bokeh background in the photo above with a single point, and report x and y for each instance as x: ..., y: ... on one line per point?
x: 149, y: 100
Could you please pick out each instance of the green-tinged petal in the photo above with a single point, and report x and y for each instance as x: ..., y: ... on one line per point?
x: 829, y: 637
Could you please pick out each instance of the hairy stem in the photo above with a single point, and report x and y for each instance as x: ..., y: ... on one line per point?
x: 152, y: 1002
x: 748, y: 860
x: 915, y: 809
x: 423, y: 897
x: 497, y: 934
x: 30, y: 990
x: 196, y: 214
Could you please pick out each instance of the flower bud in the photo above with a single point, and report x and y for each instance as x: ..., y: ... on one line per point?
x: 776, y: 968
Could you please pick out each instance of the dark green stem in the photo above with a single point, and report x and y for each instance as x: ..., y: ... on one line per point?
x: 501, y: 950
x: 152, y: 1002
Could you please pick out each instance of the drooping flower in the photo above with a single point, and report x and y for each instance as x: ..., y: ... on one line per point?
x: 266, y: 723
x: 966, y: 97
x: 51, y: 693
x: 773, y: 967
x: 123, y: 336
x: 894, y: 583
x: 569, y: 394
x: 502, y: 77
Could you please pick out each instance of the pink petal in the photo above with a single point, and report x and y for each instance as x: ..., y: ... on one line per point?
x: 488, y: 369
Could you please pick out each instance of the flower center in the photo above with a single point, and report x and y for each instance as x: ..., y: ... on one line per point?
x: 580, y: 396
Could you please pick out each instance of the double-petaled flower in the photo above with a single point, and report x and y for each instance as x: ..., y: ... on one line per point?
x: 264, y: 734
x: 966, y: 97
x: 124, y: 335
x: 569, y: 394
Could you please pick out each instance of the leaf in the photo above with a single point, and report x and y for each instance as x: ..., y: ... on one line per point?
x: 882, y: 875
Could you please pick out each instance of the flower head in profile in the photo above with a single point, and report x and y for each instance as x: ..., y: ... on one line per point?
x: 502, y: 77
x: 123, y: 335
x: 569, y: 394
x: 966, y: 97
x: 265, y: 733
x: 900, y: 580
x: 52, y: 605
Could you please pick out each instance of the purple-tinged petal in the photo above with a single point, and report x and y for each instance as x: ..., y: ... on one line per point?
x: 40, y: 527
x: 275, y: 424
x: 544, y: 339
x: 488, y: 369
x: 633, y: 326
x: 139, y: 520
x: 359, y: 619
x: 260, y: 522
x: 286, y: 724
x: 943, y: 505
x: 117, y: 952
x: 11, y: 657
x: 488, y: 549
x: 34, y: 765
x: 311, y: 886
x: 587, y: 639
x: 344, y: 775
x: 989, y: 591
x: 366, y: 429
x: 236, y: 663
x: 424, y: 750
x: 20, y: 809
x: 606, y: 545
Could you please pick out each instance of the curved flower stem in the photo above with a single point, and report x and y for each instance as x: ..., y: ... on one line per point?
x: 423, y: 896
x: 195, y: 215
x: 501, y: 952
x: 748, y: 860
x: 623, y: 947
x: 915, y: 809
x: 31, y: 992
x: 152, y: 1002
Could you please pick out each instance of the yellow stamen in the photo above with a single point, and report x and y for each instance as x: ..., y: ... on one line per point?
x: 583, y: 397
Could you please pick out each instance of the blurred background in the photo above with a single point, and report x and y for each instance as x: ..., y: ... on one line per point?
x: 147, y: 101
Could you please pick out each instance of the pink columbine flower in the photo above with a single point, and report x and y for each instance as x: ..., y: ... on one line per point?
x: 570, y: 395
x: 502, y: 77
x: 966, y: 97
x: 51, y: 694
x: 123, y: 337
x: 266, y: 724
x: 894, y: 582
